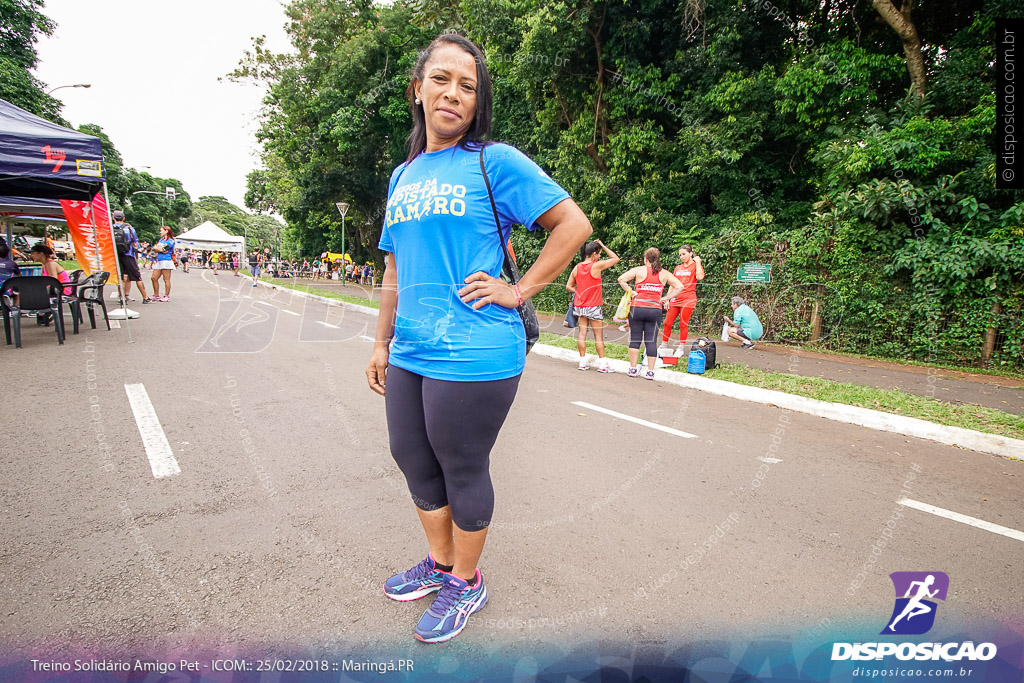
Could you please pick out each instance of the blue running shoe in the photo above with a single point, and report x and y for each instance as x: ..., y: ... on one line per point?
x: 420, y: 581
x: 449, y: 613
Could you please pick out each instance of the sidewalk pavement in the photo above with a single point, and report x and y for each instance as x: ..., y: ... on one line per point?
x: 952, y: 386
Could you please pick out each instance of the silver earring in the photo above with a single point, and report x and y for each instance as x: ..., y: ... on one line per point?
x: 417, y: 100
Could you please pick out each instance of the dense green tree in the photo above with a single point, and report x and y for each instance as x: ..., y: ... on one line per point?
x: 843, y: 142
x: 113, y: 165
x: 147, y: 207
x: 21, y: 24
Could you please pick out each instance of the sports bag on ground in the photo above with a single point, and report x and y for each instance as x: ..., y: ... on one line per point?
x: 707, y: 347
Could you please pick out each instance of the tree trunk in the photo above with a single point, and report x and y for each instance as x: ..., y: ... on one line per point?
x: 899, y: 21
x: 816, y: 314
x: 990, y: 335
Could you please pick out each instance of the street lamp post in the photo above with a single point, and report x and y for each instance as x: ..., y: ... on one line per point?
x: 343, y: 208
x: 76, y: 85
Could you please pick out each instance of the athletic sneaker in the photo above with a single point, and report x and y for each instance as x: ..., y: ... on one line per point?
x: 253, y: 284
x: 583, y: 365
x: 161, y: 298
x: 649, y: 374
x: 148, y: 300
x: 418, y: 582
x: 633, y: 372
x: 747, y: 345
x: 604, y: 367
x: 449, y: 613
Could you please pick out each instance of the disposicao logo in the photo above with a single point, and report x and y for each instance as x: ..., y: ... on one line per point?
x: 914, y: 614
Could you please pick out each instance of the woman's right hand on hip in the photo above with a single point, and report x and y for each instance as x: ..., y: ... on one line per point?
x: 377, y: 369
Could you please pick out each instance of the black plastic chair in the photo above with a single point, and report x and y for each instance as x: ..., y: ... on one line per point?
x: 71, y: 298
x: 39, y: 294
x: 90, y: 295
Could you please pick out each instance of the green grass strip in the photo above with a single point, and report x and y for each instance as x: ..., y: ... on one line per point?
x: 326, y: 293
x: 968, y: 416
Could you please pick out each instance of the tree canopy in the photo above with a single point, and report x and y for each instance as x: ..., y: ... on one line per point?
x: 843, y: 142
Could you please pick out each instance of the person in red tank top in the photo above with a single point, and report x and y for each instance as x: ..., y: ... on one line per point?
x: 588, y: 298
x: 689, y: 271
x: 645, y: 311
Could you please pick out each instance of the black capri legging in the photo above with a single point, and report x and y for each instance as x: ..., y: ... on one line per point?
x: 441, y: 435
x: 643, y: 325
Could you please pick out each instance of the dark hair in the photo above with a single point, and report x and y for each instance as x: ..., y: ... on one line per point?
x: 686, y: 247
x: 590, y: 248
x: 41, y: 248
x: 480, y: 129
x: 5, y: 251
x: 653, y: 256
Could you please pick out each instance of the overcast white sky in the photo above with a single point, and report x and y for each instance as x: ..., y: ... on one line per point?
x: 153, y: 67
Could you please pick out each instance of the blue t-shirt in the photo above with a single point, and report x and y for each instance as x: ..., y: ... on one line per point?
x: 8, y: 268
x: 166, y: 254
x: 747, y: 320
x: 440, y: 227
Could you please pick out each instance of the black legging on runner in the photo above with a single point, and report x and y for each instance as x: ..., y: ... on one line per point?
x: 441, y: 436
x: 643, y: 325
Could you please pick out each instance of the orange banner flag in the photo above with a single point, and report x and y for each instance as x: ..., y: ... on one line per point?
x: 89, y: 225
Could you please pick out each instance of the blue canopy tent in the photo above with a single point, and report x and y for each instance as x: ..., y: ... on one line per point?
x: 40, y: 159
x: 43, y: 161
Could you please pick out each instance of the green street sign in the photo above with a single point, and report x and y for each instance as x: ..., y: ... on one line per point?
x: 755, y: 272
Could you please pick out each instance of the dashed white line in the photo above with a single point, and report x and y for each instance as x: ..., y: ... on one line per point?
x: 964, y: 519
x: 161, y: 457
x: 636, y: 420
x: 327, y: 324
x: 285, y: 310
x: 770, y: 461
x: 366, y: 338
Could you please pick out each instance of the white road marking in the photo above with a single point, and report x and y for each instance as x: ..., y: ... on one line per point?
x: 115, y: 324
x: 326, y: 324
x: 636, y: 420
x: 770, y: 461
x: 964, y: 519
x: 285, y: 310
x: 161, y: 458
x: 369, y: 339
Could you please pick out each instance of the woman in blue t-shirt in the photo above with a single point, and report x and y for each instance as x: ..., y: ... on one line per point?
x: 449, y: 338
x: 164, y: 265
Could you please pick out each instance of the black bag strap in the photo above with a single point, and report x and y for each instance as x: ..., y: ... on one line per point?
x: 497, y: 221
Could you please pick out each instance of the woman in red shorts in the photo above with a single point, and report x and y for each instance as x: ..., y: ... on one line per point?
x: 689, y: 271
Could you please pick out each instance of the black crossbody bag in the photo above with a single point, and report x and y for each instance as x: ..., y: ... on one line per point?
x: 510, y: 271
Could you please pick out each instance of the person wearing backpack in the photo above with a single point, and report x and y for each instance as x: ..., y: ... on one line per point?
x: 126, y: 244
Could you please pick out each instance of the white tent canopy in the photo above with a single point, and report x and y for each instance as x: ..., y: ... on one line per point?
x: 208, y: 237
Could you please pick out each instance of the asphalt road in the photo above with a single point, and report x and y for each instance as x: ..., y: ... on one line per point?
x: 288, y: 511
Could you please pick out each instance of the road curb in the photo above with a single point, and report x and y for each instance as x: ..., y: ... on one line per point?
x: 316, y: 297
x: 993, y: 444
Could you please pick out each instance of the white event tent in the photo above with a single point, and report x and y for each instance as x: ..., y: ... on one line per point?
x: 208, y: 237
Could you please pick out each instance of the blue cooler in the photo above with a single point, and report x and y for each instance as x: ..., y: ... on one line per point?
x: 695, y: 363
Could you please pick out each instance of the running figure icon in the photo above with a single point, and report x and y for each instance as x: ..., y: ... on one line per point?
x: 915, y: 606
x: 916, y: 595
